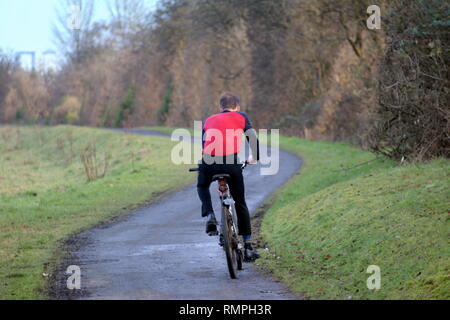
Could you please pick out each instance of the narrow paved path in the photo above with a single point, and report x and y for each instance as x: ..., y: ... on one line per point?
x: 161, y: 251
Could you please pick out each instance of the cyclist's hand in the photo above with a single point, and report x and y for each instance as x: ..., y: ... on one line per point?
x: 251, y: 160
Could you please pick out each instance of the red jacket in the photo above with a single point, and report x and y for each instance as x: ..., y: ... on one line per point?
x: 222, y: 133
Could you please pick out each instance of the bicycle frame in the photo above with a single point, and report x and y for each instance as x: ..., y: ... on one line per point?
x: 228, y: 202
x: 229, y: 233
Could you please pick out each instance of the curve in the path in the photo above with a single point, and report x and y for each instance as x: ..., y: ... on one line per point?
x: 161, y: 251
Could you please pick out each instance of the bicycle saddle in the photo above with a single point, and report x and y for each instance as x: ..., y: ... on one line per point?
x: 220, y: 176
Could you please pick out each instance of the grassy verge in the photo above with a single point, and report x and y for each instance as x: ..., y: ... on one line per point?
x: 45, y: 196
x: 166, y: 130
x: 335, y: 218
x: 347, y: 210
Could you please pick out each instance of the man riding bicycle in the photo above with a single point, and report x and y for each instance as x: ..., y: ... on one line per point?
x: 221, y: 140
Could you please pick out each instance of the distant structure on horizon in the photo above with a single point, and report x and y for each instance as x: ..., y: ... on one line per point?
x: 46, y: 60
x: 32, y: 54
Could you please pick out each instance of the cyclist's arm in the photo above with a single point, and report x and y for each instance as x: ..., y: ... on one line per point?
x: 252, y: 138
x: 203, y: 134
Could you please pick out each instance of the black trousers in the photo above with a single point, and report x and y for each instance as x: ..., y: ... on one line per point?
x: 237, y: 190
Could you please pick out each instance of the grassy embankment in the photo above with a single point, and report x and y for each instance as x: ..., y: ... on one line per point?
x: 45, y: 196
x: 335, y: 218
x: 347, y: 210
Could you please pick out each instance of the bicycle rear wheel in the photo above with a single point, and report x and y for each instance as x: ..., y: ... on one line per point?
x: 237, y: 245
x: 240, y: 258
x: 228, y: 245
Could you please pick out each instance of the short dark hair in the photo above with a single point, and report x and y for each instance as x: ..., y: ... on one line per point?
x: 229, y: 101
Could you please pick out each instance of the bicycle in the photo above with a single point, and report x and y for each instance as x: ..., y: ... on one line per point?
x: 229, y: 233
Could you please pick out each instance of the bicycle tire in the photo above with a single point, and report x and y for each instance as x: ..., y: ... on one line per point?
x: 239, y: 253
x: 230, y: 252
x: 239, y: 258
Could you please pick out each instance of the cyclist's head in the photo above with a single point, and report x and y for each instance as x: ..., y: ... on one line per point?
x: 229, y: 101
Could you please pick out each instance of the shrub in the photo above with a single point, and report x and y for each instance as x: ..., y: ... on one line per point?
x: 19, y: 114
x: 92, y: 167
x: 126, y: 107
x: 413, y: 118
x: 68, y: 111
x: 165, y: 107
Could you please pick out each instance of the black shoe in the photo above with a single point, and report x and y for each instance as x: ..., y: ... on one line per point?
x: 211, y: 225
x: 250, y: 254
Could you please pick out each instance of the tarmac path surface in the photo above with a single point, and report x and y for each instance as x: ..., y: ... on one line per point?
x: 161, y: 251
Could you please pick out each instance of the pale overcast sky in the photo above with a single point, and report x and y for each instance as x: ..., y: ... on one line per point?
x: 26, y: 25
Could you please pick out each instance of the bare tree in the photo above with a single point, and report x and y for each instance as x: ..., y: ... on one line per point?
x: 128, y: 20
x: 6, y: 67
x: 73, y: 26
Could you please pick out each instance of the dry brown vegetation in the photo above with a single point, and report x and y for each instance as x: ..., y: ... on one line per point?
x: 311, y: 68
x: 414, y: 88
x: 93, y: 168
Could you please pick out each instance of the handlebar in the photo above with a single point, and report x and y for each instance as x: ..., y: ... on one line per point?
x: 244, y: 165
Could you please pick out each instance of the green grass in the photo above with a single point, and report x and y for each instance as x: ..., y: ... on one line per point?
x: 45, y: 196
x: 166, y: 130
x: 340, y: 214
x: 335, y: 218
